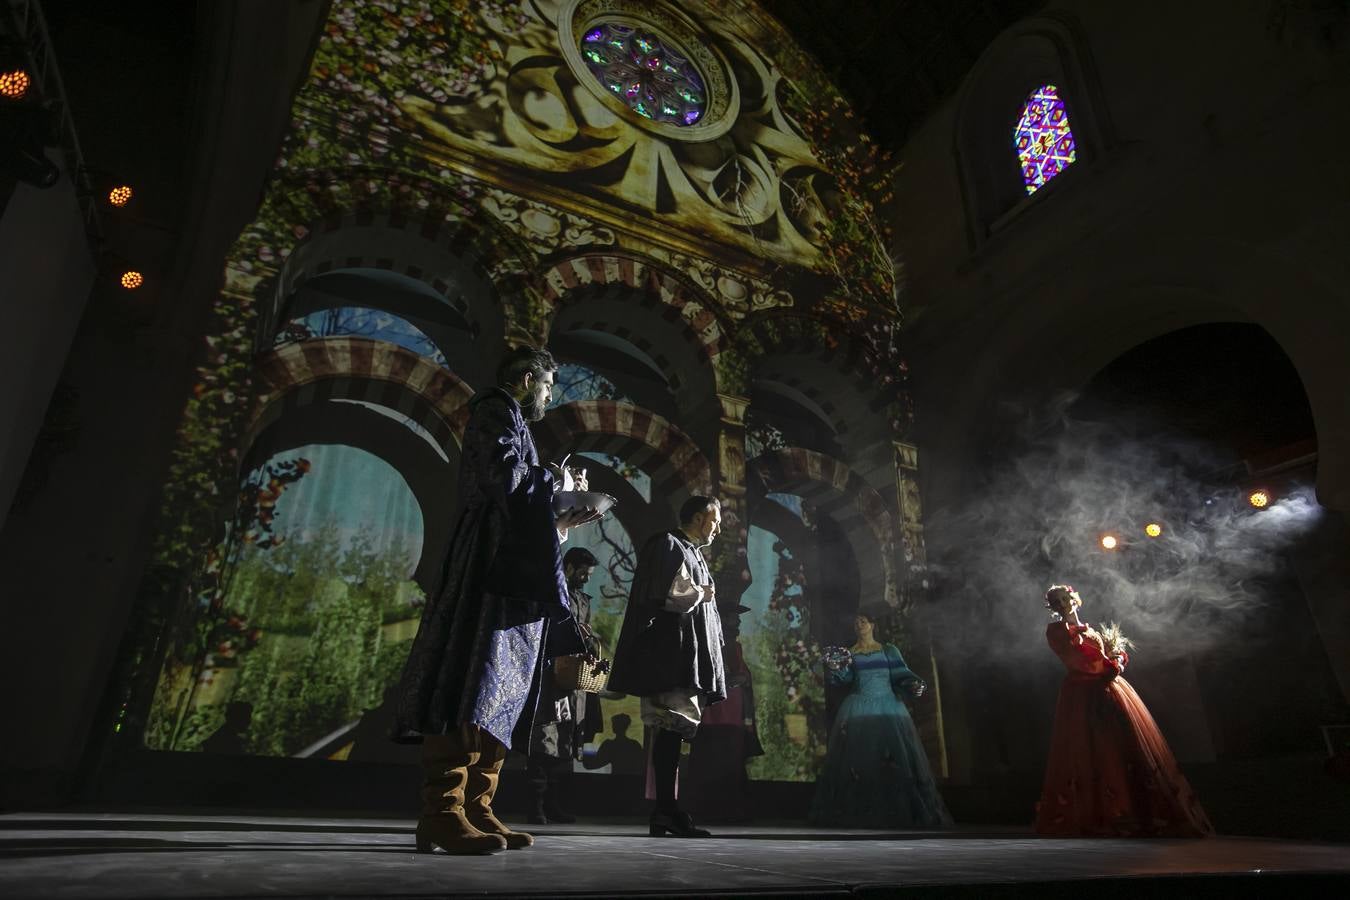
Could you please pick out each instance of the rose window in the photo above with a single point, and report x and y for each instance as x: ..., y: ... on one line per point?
x: 655, y: 79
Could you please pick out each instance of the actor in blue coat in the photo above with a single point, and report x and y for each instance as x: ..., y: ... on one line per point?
x: 474, y: 673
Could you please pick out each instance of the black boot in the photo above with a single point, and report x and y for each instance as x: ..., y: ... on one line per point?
x: 536, y: 773
x: 667, y: 818
x: 677, y: 823
x: 552, y: 809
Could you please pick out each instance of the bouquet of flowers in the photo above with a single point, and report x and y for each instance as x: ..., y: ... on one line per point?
x: 1113, y: 642
x: 837, y: 658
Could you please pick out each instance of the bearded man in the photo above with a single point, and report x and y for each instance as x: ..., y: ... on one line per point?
x: 473, y: 676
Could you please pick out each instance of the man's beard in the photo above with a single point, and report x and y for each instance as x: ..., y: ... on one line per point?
x: 532, y: 409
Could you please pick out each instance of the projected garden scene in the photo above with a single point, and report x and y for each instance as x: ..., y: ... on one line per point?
x: 787, y: 677
x: 312, y: 617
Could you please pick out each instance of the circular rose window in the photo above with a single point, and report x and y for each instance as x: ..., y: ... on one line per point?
x: 653, y: 78
x: 651, y: 64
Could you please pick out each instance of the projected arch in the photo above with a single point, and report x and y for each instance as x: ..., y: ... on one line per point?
x: 319, y: 606
x: 441, y: 256
x: 838, y: 492
x: 653, y: 287
x: 364, y: 322
x: 304, y: 420
x: 792, y: 360
x: 362, y: 369
x: 628, y: 316
x: 676, y: 466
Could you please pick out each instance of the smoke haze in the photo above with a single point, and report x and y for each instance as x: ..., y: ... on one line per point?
x: 1064, y: 483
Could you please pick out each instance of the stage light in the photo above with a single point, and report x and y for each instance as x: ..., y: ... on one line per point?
x: 1259, y: 499
x: 1153, y: 529
x: 14, y: 83
x: 120, y: 195
x: 132, y: 280
x: 1109, y: 542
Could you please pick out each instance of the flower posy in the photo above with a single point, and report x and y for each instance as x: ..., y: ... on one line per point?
x: 1116, y: 642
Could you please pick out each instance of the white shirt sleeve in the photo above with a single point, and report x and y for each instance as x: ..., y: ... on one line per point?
x: 684, y: 595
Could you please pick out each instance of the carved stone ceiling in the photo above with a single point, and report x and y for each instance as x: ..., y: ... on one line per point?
x: 896, y: 60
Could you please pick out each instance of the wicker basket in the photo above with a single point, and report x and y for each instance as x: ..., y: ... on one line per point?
x: 572, y: 673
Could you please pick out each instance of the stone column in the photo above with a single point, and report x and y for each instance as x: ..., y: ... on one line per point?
x: 912, y: 585
x: 729, y: 552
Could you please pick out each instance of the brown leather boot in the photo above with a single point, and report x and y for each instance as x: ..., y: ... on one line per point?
x: 483, y: 777
x: 445, y: 767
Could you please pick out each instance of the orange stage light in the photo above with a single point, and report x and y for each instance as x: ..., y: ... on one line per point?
x: 14, y: 83
x: 1259, y: 499
x: 132, y: 280
x: 119, y: 195
x: 1109, y: 542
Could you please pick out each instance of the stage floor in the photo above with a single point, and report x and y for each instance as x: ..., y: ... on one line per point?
x: 105, y: 855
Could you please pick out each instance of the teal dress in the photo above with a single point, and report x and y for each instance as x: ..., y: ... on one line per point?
x: 876, y: 773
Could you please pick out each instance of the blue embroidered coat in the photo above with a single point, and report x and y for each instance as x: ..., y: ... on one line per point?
x: 479, y: 651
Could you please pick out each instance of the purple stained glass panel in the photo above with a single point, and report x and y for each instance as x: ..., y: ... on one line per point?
x: 653, y: 78
x: 1044, y: 141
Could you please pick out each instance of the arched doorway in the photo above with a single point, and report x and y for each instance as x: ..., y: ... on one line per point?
x: 1173, y: 433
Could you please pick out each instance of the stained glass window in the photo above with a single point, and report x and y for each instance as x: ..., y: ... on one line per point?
x: 1044, y: 140
x: 654, y: 79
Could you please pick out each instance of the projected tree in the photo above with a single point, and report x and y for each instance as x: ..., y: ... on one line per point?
x: 316, y: 607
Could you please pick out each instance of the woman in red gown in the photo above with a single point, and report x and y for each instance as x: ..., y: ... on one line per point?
x: 1110, y: 771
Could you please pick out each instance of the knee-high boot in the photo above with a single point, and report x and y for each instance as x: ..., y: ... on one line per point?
x: 483, y: 777
x: 443, y: 823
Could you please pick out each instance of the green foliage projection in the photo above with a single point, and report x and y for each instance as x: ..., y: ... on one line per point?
x: 335, y: 623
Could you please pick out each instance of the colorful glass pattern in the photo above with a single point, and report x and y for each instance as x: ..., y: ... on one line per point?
x: 1044, y: 140
x: 654, y: 79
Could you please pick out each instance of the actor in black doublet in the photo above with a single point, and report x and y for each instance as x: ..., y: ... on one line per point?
x: 670, y: 649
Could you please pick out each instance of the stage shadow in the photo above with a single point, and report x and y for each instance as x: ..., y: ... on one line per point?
x: 87, y: 824
x: 35, y: 848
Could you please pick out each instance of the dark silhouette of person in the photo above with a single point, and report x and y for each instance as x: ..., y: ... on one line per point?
x: 370, y: 738
x: 621, y: 752
x: 228, y: 739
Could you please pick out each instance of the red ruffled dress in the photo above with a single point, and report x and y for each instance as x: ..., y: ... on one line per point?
x: 1110, y: 771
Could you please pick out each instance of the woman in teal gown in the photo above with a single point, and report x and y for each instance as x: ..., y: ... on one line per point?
x: 876, y: 773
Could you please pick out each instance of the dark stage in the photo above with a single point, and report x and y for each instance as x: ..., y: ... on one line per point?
x: 109, y: 854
